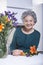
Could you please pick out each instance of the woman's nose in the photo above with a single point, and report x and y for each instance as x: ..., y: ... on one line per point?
x: 28, y: 22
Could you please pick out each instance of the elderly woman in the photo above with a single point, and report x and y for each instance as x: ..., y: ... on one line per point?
x: 25, y: 36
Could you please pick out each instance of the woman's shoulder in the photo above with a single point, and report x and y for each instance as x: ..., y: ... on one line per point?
x: 37, y: 32
x: 18, y: 28
x: 16, y: 32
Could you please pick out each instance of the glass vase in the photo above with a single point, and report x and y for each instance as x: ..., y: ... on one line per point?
x: 3, y: 47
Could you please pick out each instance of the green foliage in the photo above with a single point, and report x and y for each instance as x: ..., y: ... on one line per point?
x: 5, y: 26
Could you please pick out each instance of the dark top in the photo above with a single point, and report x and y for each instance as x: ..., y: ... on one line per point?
x: 24, y: 41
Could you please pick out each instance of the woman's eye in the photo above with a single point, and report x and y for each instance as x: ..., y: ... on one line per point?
x: 30, y: 20
x: 26, y: 21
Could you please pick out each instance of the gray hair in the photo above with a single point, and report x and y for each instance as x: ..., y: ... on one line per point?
x: 31, y: 13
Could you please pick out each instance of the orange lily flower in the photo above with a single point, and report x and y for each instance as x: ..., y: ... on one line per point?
x: 33, y: 49
x: 1, y: 27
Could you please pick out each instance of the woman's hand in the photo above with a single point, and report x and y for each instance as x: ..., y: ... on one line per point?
x: 17, y: 52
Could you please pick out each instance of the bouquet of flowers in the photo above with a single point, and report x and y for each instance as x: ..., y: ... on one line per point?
x: 6, y: 23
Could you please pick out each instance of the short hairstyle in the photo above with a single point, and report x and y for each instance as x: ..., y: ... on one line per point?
x: 31, y: 13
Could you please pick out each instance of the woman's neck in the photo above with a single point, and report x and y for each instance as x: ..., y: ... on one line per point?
x: 27, y: 31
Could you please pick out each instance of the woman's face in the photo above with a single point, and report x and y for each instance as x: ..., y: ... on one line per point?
x: 28, y: 22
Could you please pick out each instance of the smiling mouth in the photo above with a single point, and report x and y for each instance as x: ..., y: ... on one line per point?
x: 28, y: 25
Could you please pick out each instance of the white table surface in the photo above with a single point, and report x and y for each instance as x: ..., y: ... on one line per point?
x: 22, y: 60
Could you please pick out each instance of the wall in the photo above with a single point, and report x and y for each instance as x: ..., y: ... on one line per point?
x: 42, y: 26
x: 3, y: 4
x: 38, y: 26
x: 20, y: 3
x: 36, y: 2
